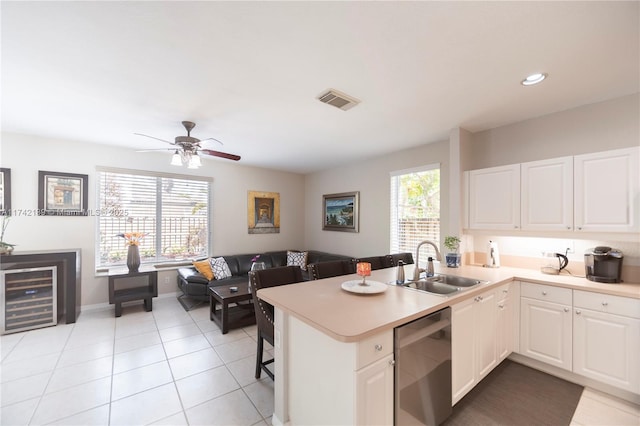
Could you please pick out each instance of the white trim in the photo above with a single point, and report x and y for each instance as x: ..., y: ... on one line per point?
x: 153, y: 174
x: 418, y: 169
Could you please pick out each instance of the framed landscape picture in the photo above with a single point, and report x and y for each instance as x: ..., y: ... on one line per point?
x: 340, y: 211
x: 62, y: 194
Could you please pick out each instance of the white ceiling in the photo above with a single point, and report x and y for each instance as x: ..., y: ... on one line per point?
x: 248, y: 73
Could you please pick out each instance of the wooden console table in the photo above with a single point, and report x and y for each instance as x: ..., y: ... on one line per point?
x: 128, y: 286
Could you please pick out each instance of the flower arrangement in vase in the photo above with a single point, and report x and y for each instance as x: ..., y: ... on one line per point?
x: 133, y: 252
x: 452, y: 257
x: 5, y: 248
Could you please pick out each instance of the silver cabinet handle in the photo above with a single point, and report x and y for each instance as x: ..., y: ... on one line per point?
x: 578, y: 312
x: 579, y: 228
x: 544, y: 293
x: 378, y: 347
x: 480, y: 298
x: 516, y: 227
x: 392, y: 362
x: 505, y: 291
x: 568, y: 227
x: 501, y: 306
x: 566, y: 309
x: 605, y: 303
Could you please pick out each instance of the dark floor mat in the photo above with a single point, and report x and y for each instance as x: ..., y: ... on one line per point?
x: 513, y: 394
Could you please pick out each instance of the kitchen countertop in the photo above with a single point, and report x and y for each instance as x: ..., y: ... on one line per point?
x: 350, y: 317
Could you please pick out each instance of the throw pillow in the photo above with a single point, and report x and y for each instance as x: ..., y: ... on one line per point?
x: 204, y: 267
x: 297, y: 258
x: 220, y: 268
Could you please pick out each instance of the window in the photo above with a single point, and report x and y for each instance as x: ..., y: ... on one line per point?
x: 173, y: 210
x: 415, y: 210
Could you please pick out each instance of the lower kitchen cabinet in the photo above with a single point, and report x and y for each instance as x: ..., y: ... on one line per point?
x: 474, y: 340
x: 545, y: 324
x: 508, y: 317
x: 606, y: 338
x: 333, y: 382
x: 374, y: 390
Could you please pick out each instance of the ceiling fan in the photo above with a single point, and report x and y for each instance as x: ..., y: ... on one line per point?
x: 187, y: 148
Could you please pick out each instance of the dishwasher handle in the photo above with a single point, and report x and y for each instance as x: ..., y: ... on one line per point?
x: 423, y: 332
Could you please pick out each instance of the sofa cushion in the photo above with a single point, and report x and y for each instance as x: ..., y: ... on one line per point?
x: 220, y: 268
x: 297, y: 258
x: 204, y: 267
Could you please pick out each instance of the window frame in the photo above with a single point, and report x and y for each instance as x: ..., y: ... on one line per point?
x: 394, y: 240
x: 151, y: 174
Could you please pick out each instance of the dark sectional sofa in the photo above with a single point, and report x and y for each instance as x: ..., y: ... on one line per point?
x: 194, y: 285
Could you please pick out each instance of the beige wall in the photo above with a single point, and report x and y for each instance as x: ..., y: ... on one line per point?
x: 371, y: 177
x: 591, y: 128
x: 231, y: 182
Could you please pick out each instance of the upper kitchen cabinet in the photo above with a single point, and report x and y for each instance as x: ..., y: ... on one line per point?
x: 597, y: 192
x: 606, y: 188
x: 547, y: 195
x: 494, y: 198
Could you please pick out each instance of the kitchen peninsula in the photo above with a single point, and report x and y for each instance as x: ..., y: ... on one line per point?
x: 334, y: 349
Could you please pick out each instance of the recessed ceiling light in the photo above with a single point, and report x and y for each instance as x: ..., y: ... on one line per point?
x: 533, y: 79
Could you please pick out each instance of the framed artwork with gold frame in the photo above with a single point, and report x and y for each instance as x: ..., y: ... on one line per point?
x: 263, y: 212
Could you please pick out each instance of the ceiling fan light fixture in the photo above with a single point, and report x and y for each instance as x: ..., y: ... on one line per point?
x: 176, y: 159
x: 194, y: 162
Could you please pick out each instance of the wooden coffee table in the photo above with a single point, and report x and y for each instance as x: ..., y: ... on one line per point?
x: 228, y: 317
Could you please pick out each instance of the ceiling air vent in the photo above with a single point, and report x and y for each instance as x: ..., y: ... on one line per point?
x: 338, y: 99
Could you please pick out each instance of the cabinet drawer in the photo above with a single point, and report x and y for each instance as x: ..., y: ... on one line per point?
x: 374, y: 348
x: 502, y: 292
x: 617, y: 305
x: 546, y: 293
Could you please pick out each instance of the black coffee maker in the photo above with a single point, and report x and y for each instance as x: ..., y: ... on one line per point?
x: 603, y: 264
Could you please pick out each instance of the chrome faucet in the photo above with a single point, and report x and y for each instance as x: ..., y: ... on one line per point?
x: 418, y: 270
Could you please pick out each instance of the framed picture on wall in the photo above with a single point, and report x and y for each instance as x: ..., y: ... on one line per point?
x: 340, y: 212
x: 62, y: 194
x: 263, y: 212
x: 5, y: 192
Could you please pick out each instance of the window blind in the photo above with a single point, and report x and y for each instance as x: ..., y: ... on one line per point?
x: 172, y: 210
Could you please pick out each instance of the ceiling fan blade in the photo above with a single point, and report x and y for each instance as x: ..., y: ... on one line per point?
x: 211, y: 139
x: 153, y: 137
x: 221, y: 154
x: 155, y: 150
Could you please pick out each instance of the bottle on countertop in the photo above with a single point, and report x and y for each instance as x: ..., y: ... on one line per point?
x: 400, y: 273
x: 430, y: 272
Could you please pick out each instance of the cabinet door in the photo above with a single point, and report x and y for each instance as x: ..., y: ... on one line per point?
x: 374, y: 393
x: 606, y: 348
x: 485, y: 320
x: 606, y: 191
x: 547, y: 195
x: 494, y: 198
x: 463, y: 354
x: 545, y: 332
x: 504, y: 324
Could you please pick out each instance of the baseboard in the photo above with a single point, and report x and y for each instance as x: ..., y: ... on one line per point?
x: 575, y: 378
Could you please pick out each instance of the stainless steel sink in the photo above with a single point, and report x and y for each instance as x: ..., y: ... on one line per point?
x: 443, y: 285
x: 455, y: 280
x: 432, y: 287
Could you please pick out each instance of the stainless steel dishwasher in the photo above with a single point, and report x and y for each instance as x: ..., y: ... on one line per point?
x: 423, y: 370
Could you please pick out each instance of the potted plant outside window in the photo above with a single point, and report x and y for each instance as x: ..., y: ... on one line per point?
x: 453, y: 256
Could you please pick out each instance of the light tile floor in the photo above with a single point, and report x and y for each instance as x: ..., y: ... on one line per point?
x: 166, y: 367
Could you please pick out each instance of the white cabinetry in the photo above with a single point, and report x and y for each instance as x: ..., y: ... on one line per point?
x: 606, y: 191
x: 545, y: 324
x: 494, y: 198
x: 474, y: 337
x: 607, y: 339
x: 506, y: 323
x: 598, y: 192
x: 547, y: 195
x: 360, y: 374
